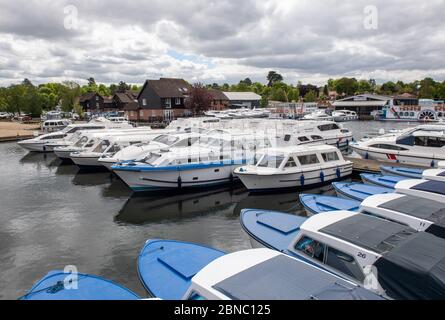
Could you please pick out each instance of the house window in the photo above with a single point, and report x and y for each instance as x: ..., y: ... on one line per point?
x: 144, y: 102
x: 97, y: 105
x: 177, y: 101
x: 97, y: 98
x: 168, y: 103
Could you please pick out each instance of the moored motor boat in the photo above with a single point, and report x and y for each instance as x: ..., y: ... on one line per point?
x: 315, y: 204
x: 166, y: 267
x: 358, y: 191
x: 60, y: 285
x: 381, y: 181
x: 421, y: 146
x: 360, y: 247
x: 418, y: 213
x: 292, y: 167
x: 434, y: 174
x: 433, y: 190
x: 412, y: 173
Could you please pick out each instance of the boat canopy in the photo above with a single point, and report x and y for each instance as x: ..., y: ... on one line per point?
x: 420, y: 208
x: 415, y: 269
x: 369, y: 232
x: 431, y: 186
x: 275, y: 279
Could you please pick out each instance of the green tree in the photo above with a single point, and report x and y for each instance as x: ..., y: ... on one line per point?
x: 427, y: 88
x: 364, y: 86
x: 293, y: 94
x: 273, y: 77
x: 70, y: 92
x: 279, y: 94
x: 346, y: 86
x: 15, y: 98
x: 311, y: 96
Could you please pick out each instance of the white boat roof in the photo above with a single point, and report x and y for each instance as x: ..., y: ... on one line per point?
x: 322, y: 220
x: 288, y: 150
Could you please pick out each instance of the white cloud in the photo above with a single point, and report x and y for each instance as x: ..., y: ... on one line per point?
x: 220, y: 40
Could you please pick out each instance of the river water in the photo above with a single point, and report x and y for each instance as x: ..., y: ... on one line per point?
x: 52, y: 216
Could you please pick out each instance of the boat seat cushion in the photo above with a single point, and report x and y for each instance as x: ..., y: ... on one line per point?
x: 431, y: 186
x: 340, y: 204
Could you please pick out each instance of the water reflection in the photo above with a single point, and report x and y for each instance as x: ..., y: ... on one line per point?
x: 174, y: 207
x: 92, y: 179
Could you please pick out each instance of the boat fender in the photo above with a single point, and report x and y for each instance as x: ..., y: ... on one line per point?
x: 322, y: 177
x: 432, y: 163
x: 338, y: 144
x: 347, y: 142
x: 179, y: 182
x: 367, y: 156
x: 302, y: 180
x: 231, y: 178
x: 338, y: 173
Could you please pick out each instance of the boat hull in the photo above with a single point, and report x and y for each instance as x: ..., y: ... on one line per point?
x: 398, y: 157
x: 35, y: 147
x: 140, y: 181
x: 257, y: 183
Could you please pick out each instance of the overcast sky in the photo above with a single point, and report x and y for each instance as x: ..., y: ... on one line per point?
x: 220, y: 40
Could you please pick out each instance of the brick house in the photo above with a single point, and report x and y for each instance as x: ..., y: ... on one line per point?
x: 125, y: 100
x: 91, y: 102
x: 160, y: 100
x: 220, y: 100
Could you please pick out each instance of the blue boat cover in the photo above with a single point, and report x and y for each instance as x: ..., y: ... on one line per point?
x: 359, y: 191
x: 318, y: 203
x: 88, y: 287
x: 384, y: 181
x: 404, y: 171
x: 431, y: 186
x: 252, y: 221
x: 285, y: 278
x: 167, y: 267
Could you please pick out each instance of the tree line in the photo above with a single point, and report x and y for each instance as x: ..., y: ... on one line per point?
x: 27, y: 98
x: 31, y: 99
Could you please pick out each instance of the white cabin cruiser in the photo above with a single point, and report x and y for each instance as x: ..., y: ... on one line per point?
x: 87, y: 138
x: 428, y: 189
x: 47, y: 142
x: 344, y: 115
x: 159, y: 142
x: 418, y: 213
x: 317, y: 116
x: 107, y: 146
x: 202, y: 165
x: 291, y: 167
x: 423, y: 145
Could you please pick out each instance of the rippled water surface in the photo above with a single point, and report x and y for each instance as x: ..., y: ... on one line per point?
x: 53, y: 216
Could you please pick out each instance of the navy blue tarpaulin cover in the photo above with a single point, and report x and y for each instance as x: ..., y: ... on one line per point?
x: 431, y: 186
x: 415, y: 269
x: 284, y: 278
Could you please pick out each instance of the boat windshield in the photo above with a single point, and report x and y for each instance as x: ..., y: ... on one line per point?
x: 113, y: 149
x: 151, y: 158
x: 81, y: 141
x: 166, y: 139
x: 101, y: 147
x: 271, y: 161
x: 214, y: 142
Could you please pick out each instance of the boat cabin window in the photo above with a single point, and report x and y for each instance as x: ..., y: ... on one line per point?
x: 287, y: 137
x: 388, y: 147
x: 54, y: 137
x: 291, y: 163
x: 115, y: 148
x: 316, y: 138
x: 165, y: 139
x: 102, y: 146
x: 303, y: 139
x: 81, y: 142
x: 328, y: 127
x: 431, y: 142
x: 308, y: 159
x: 90, y: 143
x: 344, y: 263
x: 330, y: 156
x: 268, y: 161
x: 311, y: 248
x: 186, y: 142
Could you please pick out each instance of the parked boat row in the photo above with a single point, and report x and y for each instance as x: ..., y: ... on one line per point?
x: 197, y: 153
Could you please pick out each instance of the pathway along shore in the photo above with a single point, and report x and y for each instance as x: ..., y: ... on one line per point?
x: 13, y: 131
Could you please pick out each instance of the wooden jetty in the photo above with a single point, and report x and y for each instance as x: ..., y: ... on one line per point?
x: 373, y: 166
